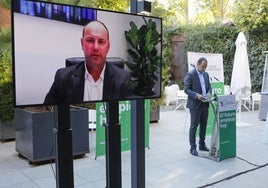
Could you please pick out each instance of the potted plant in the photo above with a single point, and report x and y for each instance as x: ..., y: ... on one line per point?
x: 144, y: 55
x: 7, y: 130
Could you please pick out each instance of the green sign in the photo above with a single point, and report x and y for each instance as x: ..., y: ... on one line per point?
x: 223, y: 140
x: 227, y: 125
x: 124, y: 120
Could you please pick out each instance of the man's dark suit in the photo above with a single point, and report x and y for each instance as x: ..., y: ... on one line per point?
x: 68, y: 85
x: 198, y: 109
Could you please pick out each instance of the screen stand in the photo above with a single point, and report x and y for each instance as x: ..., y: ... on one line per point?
x: 113, y: 146
x: 138, y: 144
x: 64, y: 148
x: 137, y: 134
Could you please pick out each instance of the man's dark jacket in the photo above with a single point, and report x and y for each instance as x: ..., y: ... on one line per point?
x: 68, y: 85
x: 192, y: 86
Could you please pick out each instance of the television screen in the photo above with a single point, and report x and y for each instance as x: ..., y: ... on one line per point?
x: 65, y: 54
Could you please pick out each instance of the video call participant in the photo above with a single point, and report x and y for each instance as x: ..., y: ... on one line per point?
x: 197, y: 87
x: 94, y: 79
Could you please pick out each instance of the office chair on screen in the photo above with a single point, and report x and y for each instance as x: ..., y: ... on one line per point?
x: 120, y: 62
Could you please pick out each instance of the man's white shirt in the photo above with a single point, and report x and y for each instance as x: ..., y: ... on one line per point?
x: 93, y: 90
x: 202, y: 82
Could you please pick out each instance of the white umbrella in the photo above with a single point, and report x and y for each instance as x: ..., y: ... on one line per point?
x: 241, y: 82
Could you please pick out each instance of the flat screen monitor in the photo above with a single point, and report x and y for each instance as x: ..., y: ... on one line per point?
x: 49, y: 64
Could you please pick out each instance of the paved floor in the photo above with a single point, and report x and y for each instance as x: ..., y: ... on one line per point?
x: 168, y: 162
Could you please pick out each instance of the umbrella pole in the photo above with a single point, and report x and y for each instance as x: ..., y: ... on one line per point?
x: 239, y: 98
x: 239, y: 110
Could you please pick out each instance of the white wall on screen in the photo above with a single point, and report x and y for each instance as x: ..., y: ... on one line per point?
x: 41, y: 47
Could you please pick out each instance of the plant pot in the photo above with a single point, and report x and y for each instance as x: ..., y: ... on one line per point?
x: 155, y: 115
x: 35, y: 139
x: 7, y: 131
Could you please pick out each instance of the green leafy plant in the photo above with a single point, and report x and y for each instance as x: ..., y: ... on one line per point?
x: 6, y: 84
x: 156, y: 103
x: 144, y: 55
x: 6, y: 88
x: 218, y: 38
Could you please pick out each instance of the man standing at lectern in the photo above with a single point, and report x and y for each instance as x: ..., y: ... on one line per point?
x: 197, y: 87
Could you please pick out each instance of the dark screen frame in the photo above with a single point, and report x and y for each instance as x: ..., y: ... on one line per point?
x: 20, y: 76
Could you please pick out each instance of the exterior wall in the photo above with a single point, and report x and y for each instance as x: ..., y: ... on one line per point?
x: 179, y: 67
x: 5, y: 19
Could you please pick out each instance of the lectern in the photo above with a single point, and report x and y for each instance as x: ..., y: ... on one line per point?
x: 223, y: 139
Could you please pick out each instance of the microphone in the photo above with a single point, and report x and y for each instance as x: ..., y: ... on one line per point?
x: 215, y: 97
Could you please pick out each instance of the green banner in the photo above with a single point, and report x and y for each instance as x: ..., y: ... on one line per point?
x: 218, y: 89
x: 124, y: 120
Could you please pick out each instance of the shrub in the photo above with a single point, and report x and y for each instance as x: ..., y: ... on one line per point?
x: 6, y: 84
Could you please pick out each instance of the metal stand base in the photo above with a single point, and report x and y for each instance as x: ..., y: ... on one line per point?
x: 113, y: 147
x: 64, y: 149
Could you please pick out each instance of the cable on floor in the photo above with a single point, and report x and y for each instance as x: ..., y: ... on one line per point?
x: 233, y: 176
x: 247, y: 161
